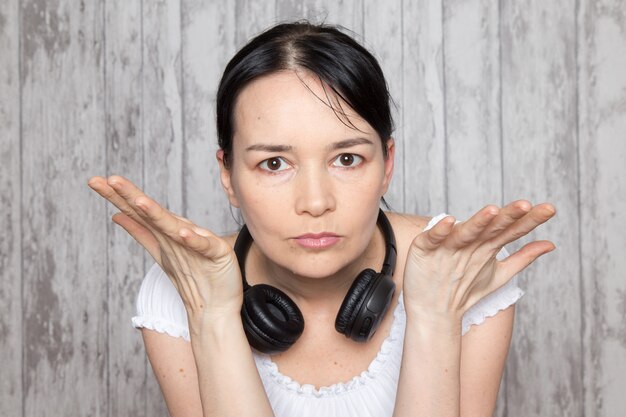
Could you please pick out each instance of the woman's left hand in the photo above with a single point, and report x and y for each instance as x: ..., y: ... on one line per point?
x: 451, y: 266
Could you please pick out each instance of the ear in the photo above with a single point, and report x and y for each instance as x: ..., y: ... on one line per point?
x: 389, y: 161
x: 226, y: 179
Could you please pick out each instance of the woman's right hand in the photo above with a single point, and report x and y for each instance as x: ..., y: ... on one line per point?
x: 202, y: 266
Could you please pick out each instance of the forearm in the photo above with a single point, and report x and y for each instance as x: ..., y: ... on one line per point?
x: 226, y: 370
x: 429, y: 384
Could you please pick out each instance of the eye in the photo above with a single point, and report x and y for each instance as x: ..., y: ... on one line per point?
x: 274, y: 165
x: 348, y: 160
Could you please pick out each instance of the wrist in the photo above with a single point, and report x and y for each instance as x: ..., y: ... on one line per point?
x: 214, y: 324
x: 433, y: 322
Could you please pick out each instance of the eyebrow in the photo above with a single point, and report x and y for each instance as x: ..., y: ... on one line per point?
x: 347, y: 143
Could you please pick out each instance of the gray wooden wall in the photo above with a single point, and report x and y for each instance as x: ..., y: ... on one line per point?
x: 497, y: 100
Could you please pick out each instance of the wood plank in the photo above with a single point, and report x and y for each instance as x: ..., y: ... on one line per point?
x: 252, y: 17
x: 472, y: 105
x: 540, y: 164
x: 602, y: 152
x: 382, y: 35
x: 472, y: 113
x: 348, y: 14
x: 162, y: 127
x: 127, y: 365
x: 208, y: 44
x: 423, y: 131
x: 64, y: 227
x: 10, y: 220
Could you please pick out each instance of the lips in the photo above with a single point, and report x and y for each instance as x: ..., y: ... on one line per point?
x: 317, y: 240
x: 317, y: 235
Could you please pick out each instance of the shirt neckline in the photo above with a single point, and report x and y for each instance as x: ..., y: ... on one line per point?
x: 391, y: 343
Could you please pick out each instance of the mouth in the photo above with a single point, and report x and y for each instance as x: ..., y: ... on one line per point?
x: 317, y: 240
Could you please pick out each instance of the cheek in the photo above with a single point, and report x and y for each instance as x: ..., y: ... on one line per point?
x: 360, y: 186
x: 258, y: 203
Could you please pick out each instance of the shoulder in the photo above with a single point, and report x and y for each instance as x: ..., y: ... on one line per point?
x: 407, y: 226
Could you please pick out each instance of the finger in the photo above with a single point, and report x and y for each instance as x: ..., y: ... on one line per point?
x: 160, y: 218
x: 202, y: 232
x: 182, y: 219
x: 518, y: 261
x: 507, y: 216
x: 143, y: 205
x: 157, y: 218
x: 142, y: 235
x: 538, y: 215
x: 210, y: 247
x: 100, y: 185
x: 431, y: 239
x: 125, y: 188
x: 469, y: 231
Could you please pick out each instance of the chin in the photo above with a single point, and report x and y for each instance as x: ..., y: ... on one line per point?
x: 318, y: 265
x: 314, y: 272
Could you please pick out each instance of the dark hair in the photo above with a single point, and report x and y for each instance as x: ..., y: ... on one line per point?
x: 335, y: 58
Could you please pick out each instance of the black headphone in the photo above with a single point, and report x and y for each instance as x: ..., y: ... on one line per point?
x: 273, y: 322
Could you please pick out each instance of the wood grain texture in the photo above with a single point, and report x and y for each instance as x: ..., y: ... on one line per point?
x: 540, y: 164
x: 252, y: 17
x: 602, y: 152
x: 472, y: 106
x: 64, y: 235
x: 162, y: 127
x: 423, y: 130
x: 471, y: 45
x: 209, y: 42
x: 348, y: 14
x: 382, y: 34
x: 127, y: 365
x: 10, y: 214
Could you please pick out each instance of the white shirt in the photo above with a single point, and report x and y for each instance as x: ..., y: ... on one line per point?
x: 372, y: 393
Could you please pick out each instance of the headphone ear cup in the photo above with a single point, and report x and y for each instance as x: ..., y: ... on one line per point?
x: 271, y: 320
x: 353, y: 301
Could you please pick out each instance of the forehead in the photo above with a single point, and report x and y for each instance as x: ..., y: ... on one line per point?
x: 289, y: 106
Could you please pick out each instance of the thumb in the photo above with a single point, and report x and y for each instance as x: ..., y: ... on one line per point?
x: 518, y: 261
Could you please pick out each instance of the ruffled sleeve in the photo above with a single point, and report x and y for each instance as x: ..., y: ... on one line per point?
x: 159, y: 306
x: 498, y: 300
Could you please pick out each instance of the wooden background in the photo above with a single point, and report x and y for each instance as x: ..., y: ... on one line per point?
x: 496, y: 100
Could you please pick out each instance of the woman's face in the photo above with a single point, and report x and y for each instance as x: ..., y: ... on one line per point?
x: 297, y: 169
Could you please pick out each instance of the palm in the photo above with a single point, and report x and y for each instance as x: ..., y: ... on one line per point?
x: 201, y: 265
x: 451, y: 266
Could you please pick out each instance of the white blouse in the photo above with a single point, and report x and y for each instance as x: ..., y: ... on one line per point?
x: 372, y: 393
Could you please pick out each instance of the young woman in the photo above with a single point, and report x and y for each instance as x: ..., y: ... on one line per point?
x: 306, y: 154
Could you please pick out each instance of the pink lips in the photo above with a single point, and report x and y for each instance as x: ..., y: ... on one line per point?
x: 318, y: 240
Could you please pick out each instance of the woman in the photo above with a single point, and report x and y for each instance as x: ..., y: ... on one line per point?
x: 306, y: 154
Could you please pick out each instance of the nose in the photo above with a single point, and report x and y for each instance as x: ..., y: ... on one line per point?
x: 314, y: 192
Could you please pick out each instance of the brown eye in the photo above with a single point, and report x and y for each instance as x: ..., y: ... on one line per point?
x: 273, y: 165
x: 348, y: 160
